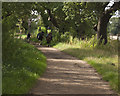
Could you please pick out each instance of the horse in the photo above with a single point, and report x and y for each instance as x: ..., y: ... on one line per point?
x: 49, y: 38
x: 28, y: 37
x: 40, y: 36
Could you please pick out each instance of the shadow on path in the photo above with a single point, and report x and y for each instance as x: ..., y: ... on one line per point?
x: 68, y: 75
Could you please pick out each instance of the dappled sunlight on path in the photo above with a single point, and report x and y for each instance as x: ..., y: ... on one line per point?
x: 68, y: 75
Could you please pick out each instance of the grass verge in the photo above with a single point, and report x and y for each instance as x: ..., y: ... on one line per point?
x: 103, y: 58
x: 21, y: 70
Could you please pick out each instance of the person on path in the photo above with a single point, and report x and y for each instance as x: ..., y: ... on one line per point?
x: 40, y: 36
x: 49, y: 37
x: 28, y: 37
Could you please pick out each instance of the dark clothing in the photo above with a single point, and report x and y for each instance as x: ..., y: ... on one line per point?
x: 40, y: 36
x: 49, y: 37
x: 28, y: 36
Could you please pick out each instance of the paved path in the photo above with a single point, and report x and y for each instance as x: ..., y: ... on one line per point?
x: 68, y: 75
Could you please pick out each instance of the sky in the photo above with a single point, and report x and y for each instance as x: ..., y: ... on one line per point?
x: 117, y: 13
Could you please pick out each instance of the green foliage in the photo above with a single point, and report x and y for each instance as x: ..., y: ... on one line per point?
x: 65, y: 37
x: 113, y: 27
x: 33, y: 26
x: 8, y: 37
x: 21, y: 70
x: 77, y: 18
x: 104, y: 58
x: 74, y: 22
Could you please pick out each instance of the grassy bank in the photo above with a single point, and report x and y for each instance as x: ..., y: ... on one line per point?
x: 103, y: 58
x: 22, y: 68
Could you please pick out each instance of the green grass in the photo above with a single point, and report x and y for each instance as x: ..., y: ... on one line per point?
x: 100, y: 57
x: 21, y: 71
x: 23, y: 36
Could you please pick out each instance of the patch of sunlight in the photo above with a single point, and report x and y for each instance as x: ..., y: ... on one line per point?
x: 31, y: 74
x: 91, y: 77
x: 97, y: 60
x: 75, y: 82
x: 47, y: 49
x: 84, y: 84
x: 67, y: 60
x: 55, y: 67
x: 103, y: 60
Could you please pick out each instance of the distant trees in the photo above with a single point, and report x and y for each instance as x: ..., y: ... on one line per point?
x: 77, y: 18
x: 114, y: 25
x: 102, y: 16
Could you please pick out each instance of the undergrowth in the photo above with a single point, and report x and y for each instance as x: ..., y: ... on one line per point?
x: 104, y: 58
x: 21, y: 68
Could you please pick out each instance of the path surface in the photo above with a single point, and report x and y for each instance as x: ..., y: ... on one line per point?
x: 68, y: 75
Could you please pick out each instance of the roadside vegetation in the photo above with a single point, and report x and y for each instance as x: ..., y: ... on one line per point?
x: 104, y: 58
x: 22, y: 68
x: 73, y: 26
x: 22, y: 63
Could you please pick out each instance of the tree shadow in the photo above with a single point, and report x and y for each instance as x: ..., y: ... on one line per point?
x: 65, y: 76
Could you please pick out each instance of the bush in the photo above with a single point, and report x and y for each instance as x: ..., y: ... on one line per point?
x: 104, y: 58
x: 22, y: 68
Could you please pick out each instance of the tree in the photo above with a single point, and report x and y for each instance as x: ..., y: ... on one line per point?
x: 113, y: 26
x: 11, y: 13
x: 77, y: 18
x: 103, y: 20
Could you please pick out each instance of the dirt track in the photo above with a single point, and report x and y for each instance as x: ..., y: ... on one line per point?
x: 68, y: 75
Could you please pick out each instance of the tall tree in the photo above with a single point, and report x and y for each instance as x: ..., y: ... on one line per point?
x: 103, y: 20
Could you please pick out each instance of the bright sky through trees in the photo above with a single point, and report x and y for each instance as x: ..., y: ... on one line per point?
x: 117, y: 14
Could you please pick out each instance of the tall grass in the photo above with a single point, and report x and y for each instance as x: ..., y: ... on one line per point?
x: 104, y: 58
x: 22, y: 63
x: 22, y: 68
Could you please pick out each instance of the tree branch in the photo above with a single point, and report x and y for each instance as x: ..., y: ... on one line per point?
x: 115, y: 7
x: 52, y: 19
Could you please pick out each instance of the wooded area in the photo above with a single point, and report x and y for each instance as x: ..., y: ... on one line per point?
x: 77, y: 25
x: 76, y: 18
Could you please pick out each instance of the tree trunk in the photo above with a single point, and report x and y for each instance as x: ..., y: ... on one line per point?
x: 102, y: 28
x: 103, y: 21
x: 52, y: 18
